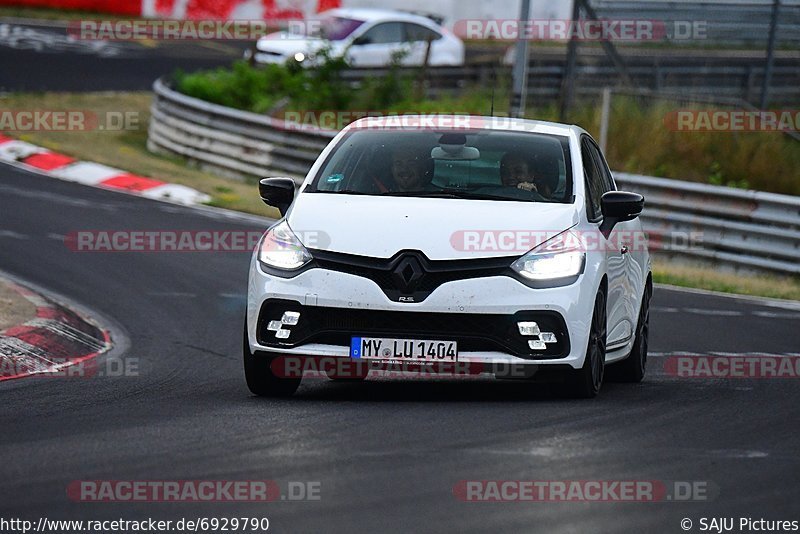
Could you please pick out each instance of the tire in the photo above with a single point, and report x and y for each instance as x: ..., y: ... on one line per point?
x: 259, y: 376
x: 632, y: 369
x: 585, y: 383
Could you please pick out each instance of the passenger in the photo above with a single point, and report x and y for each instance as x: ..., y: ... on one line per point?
x: 535, y: 174
x: 546, y: 176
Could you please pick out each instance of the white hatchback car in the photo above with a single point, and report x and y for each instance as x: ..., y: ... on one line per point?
x: 489, y: 242
x: 365, y: 38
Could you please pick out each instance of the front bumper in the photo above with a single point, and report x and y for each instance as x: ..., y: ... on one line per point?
x: 264, y: 58
x: 472, y: 332
x: 479, y: 313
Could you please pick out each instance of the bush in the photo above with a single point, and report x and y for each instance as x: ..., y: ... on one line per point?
x: 240, y: 86
x: 638, y: 142
x: 260, y: 89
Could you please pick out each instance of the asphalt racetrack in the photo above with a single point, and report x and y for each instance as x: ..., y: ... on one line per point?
x: 386, y: 455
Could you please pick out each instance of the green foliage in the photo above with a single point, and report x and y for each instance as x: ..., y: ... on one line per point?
x: 382, y: 93
x: 240, y: 86
x: 260, y: 89
x: 639, y: 139
x: 321, y: 87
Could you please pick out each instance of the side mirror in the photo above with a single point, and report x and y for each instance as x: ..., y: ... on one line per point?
x: 363, y: 40
x: 277, y: 192
x: 618, y: 206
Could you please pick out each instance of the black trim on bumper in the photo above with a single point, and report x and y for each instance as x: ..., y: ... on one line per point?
x: 473, y: 332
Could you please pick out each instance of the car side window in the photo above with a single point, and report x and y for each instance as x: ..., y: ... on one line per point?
x: 384, y: 33
x: 594, y: 183
x: 417, y: 32
x: 602, y: 166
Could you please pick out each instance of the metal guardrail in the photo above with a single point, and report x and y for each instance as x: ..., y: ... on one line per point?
x: 229, y: 141
x: 737, y: 21
x: 545, y: 79
x: 738, y: 228
x: 742, y: 228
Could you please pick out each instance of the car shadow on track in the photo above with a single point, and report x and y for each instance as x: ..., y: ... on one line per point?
x: 443, y: 390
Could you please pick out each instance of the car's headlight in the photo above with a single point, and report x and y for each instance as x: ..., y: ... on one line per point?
x: 561, y: 256
x: 281, y: 249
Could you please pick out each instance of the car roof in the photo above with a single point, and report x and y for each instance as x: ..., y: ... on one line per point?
x: 369, y: 14
x: 437, y: 121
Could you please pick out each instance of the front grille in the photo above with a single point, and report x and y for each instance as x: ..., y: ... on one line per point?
x: 473, y: 332
x: 397, y: 282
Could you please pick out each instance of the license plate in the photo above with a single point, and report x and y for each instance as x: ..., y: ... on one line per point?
x: 404, y: 349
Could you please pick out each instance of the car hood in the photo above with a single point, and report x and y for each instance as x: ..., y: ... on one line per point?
x: 440, y: 228
x: 287, y: 44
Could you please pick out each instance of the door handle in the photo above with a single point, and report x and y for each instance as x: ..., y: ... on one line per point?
x: 624, y: 249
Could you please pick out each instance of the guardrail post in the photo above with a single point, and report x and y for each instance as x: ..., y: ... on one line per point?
x: 520, y: 66
x: 773, y: 27
x: 749, y: 83
x: 605, y: 117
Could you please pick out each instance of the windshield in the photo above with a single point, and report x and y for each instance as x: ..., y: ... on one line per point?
x: 329, y: 27
x: 485, y: 165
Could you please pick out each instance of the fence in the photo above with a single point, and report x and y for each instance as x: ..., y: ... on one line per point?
x: 736, y: 21
x: 732, y: 79
x: 740, y: 228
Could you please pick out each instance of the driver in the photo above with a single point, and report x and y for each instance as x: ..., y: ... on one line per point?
x: 399, y: 170
x: 515, y: 171
x: 409, y: 170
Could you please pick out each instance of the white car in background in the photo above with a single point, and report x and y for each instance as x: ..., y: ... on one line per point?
x: 405, y: 272
x: 365, y: 37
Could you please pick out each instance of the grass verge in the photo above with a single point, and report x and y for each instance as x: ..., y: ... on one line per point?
x: 14, y: 308
x: 127, y: 149
x: 773, y: 286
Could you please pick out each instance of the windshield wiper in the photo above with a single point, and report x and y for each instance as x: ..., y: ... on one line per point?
x: 454, y: 193
x: 439, y: 193
x: 341, y: 191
